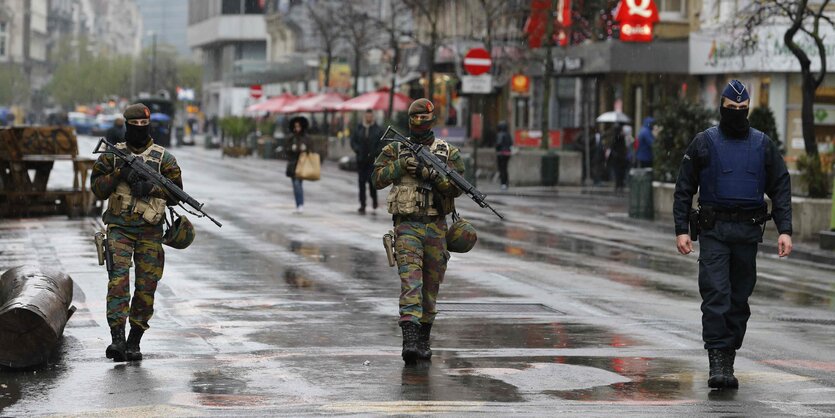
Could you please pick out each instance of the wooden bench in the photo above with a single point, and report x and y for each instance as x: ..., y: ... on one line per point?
x: 27, y: 156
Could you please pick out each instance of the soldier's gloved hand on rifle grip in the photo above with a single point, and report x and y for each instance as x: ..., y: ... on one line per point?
x: 141, y: 188
x: 419, y: 170
x: 126, y: 173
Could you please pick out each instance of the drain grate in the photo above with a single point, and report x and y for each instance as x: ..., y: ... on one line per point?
x: 818, y: 321
x: 497, y: 307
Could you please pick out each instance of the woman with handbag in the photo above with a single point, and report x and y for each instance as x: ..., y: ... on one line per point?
x: 297, y: 144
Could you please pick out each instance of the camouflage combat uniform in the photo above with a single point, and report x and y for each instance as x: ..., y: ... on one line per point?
x: 132, y: 236
x: 420, y: 228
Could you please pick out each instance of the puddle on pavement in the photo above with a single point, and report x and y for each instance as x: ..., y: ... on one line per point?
x: 640, y: 379
x: 487, y: 335
x: 14, y: 383
x: 216, y: 382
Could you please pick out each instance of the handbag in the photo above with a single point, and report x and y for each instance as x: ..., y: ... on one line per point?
x: 309, y: 166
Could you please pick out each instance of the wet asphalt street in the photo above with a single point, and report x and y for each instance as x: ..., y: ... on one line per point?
x: 567, y: 308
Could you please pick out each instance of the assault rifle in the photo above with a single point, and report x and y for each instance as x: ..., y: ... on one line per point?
x: 147, y: 173
x: 431, y: 160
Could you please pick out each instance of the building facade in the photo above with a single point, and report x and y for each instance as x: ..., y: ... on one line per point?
x: 230, y: 38
x: 167, y: 20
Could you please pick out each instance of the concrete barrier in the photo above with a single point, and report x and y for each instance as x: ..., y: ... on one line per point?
x: 525, y: 165
x: 809, y: 216
x: 338, y: 148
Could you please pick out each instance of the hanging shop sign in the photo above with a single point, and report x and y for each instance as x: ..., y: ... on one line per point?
x: 637, y: 19
x: 520, y: 83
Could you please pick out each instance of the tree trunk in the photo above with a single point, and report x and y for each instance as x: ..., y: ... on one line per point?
x: 34, y: 308
x: 356, y: 72
x: 546, y: 78
x: 390, y: 113
x: 807, y: 114
x: 430, y: 78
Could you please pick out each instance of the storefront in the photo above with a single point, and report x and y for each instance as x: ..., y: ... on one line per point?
x: 772, y: 74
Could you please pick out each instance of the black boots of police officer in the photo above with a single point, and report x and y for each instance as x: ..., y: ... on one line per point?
x: 424, y: 350
x: 116, y: 349
x: 132, y: 346
x: 722, y: 368
x: 411, y: 332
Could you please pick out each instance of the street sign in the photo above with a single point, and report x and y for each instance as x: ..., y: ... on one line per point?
x: 477, y: 84
x: 477, y: 61
x: 255, y: 91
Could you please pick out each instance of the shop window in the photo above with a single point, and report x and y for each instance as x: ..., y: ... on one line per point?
x: 520, y: 120
x: 765, y: 86
x: 231, y: 7
x: 253, y: 7
x: 2, y: 39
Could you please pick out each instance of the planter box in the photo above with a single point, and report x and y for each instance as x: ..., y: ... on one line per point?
x: 809, y: 216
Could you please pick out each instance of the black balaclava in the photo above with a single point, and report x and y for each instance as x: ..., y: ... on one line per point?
x: 422, y: 133
x: 734, y: 122
x: 137, y: 136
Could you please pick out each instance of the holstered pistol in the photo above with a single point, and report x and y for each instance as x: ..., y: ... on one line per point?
x: 388, y: 244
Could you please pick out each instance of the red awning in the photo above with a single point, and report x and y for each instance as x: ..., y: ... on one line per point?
x: 377, y: 100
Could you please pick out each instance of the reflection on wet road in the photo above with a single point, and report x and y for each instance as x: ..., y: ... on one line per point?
x: 564, y: 309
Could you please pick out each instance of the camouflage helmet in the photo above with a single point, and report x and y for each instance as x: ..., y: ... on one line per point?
x: 180, y: 234
x: 461, y: 236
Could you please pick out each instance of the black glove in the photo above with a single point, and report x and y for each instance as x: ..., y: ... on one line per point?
x: 129, y: 175
x: 420, y: 171
x: 141, y: 188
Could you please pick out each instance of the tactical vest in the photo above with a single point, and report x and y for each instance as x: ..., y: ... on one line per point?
x: 408, y: 198
x: 735, y: 175
x: 152, y: 209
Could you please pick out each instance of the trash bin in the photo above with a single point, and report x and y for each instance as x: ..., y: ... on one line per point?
x: 268, y: 147
x: 550, y: 169
x: 640, y: 194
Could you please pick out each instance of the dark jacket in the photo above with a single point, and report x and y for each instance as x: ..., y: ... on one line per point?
x: 504, y: 141
x: 366, y: 143
x: 697, y: 158
x: 296, y: 144
x: 115, y: 134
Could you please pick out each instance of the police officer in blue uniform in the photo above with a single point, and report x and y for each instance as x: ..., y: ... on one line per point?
x: 731, y: 166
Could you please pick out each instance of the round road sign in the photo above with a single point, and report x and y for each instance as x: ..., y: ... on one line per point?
x: 477, y: 61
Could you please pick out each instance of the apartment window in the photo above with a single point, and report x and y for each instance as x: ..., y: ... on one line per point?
x: 672, y: 9
x: 2, y: 39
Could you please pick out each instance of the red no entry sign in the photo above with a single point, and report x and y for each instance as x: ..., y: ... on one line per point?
x: 255, y: 91
x: 477, y: 61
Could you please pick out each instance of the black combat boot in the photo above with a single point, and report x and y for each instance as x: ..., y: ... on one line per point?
x: 132, y: 347
x: 728, y: 370
x: 717, y: 358
x: 424, y: 351
x: 116, y: 349
x: 410, y: 352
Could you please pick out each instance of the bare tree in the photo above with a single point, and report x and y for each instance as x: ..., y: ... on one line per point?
x: 429, y: 11
x: 327, y: 25
x: 360, y: 34
x: 804, y: 18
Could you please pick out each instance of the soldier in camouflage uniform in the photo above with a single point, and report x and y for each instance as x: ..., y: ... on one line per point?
x: 419, y: 201
x: 134, y: 219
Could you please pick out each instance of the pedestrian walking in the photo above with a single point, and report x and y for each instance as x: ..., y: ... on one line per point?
x: 298, y: 143
x: 730, y: 166
x: 617, y: 160
x: 366, y: 143
x: 135, y: 210
x: 597, y: 158
x: 645, y: 141
x: 504, y: 144
x: 116, y: 133
x: 420, y: 228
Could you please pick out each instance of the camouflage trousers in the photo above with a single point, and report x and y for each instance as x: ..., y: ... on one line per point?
x: 421, y: 261
x: 149, y: 258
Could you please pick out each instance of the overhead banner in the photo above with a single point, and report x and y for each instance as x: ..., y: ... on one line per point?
x: 637, y: 19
